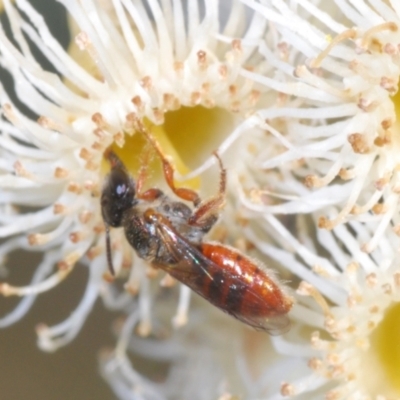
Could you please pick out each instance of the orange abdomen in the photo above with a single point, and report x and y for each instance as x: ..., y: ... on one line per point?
x: 239, y: 286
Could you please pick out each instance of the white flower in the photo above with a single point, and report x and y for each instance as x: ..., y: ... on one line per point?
x: 338, y: 80
x: 298, y: 98
x: 177, y: 67
x: 339, y: 136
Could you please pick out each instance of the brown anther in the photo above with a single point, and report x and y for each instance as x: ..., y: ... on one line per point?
x: 333, y: 358
x: 74, y: 187
x: 205, y: 87
x: 131, y: 120
x: 352, y: 301
x: 60, y: 173
x: 389, y: 84
x: 396, y: 279
x: 137, y: 101
x: 366, y: 104
x: 127, y: 261
x: 85, y: 154
x: 371, y: 325
x: 69, y: 261
x: 209, y: 103
x: 254, y: 97
x: 195, y: 98
x: 94, y: 252
x: 237, y: 45
x: 85, y: 216
x: 119, y: 139
x: 390, y: 49
x: 359, y: 143
x: 171, y: 102
x: 311, y: 181
x: 108, y: 277
x: 287, y: 390
x: 232, y: 90
x: 396, y: 229
x: 143, y: 328
x: 20, y: 170
x: 92, y: 166
x: 39, y: 328
x: 158, y: 116
x: 356, y: 210
x: 146, y: 83
x: 36, y: 239
x: 46, y: 122
x: 374, y: 309
x: 324, y: 223
x: 371, y: 280
x: 202, y: 58
x: 63, y: 265
x: 283, y: 50
x: 7, y: 107
x: 76, y: 237
x: 384, y: 138
x: 337, y: 371
x: 387, y: 123
x: 99, y: 120
x: 223, y: 71
x: 314, y: 363
x: 97, y: 146
x: 167, y: 281
x: 132, y: 289
x: 346, y: 174
x: 379, y: 208
x: 100, y: 133
x: 382, y: 182
x: 59, y: 208
x: 90, y: 186
x: 178, y: 66
x: 151, y: 272
x: 387, y: 288
x: 82, y: 40
x: 99, y: 228
x: 168, y: 101
x: 300, y: 71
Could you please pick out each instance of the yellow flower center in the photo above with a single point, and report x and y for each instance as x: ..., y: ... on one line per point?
x: 380, y: 364
x: 385, y: 344
x: 188, y: 136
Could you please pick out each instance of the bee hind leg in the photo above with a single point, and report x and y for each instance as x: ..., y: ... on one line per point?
x: 206, y: 213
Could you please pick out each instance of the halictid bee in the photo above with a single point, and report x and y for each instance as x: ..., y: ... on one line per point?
x: 170, y: 235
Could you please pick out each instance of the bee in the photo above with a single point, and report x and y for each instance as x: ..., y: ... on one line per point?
x: 169, y: 235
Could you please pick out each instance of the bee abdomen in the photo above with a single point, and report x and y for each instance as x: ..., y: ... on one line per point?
x: 239, y: 286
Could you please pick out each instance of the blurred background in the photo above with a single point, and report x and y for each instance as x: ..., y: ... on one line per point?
x: 26, y: 372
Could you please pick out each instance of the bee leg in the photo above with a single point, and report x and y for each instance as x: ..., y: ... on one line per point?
x: 113, y: 159
x: 150, y: 194
x: 206, y: 214
x: 169, y: 170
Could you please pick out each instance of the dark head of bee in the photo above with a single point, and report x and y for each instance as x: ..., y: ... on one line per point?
x: 118, y: 195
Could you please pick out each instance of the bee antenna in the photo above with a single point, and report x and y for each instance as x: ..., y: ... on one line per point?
x: 222, y: 183
x: 113, y: 159
x: 108, y: 251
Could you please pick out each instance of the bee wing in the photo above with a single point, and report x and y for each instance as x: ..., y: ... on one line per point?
x: 275, y: 325
x: 192, y: 266
x: 189, y: 260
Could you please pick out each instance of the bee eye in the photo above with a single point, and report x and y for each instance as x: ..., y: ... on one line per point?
x: 121, y: 189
